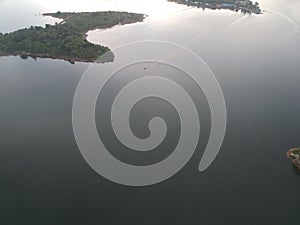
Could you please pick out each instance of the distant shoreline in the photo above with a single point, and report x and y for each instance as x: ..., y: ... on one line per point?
x: 245, y: 6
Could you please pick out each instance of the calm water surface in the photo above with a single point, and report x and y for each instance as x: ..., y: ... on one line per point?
x: 44, y: 179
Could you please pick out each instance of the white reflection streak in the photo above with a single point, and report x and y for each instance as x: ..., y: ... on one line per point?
x: 288, y: 19
x: 215, y: 40
x: 222, y: 34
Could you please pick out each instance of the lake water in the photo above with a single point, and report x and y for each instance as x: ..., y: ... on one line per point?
x: 44, y: 179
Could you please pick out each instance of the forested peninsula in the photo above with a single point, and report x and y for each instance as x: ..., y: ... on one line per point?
x: 67, y: 39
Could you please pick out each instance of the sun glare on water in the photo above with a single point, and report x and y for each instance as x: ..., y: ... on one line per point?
x: 148, y: 7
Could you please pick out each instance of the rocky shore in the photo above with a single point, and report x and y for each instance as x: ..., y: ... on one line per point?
x: 294, y: 156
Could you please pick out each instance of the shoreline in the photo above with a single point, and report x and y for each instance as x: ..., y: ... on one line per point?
x: 72, y: 60
x: 295, y: 163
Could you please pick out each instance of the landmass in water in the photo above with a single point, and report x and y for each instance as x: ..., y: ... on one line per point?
x: 245, y: 6
x: 67, y: 39
x: 294, y: 155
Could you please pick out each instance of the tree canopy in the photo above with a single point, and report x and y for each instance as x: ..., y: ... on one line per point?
x: 65, y: 40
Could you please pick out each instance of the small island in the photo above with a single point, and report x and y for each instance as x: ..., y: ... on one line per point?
x: 294, y: 155
x: 245, y: 6
x: 67, y: 39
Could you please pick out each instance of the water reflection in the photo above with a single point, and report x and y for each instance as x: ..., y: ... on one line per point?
x: 296, y: 170
x: 29, y: 12
x: 256, y: 60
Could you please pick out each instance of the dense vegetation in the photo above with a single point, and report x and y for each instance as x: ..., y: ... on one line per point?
x: 65, y: 40
x: 296, y: 151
